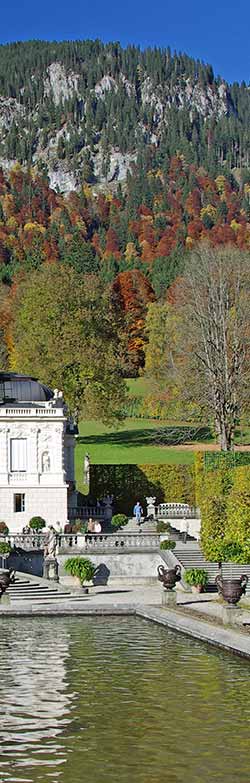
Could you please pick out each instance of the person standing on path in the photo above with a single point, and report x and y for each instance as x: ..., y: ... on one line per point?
x: 138, y: 511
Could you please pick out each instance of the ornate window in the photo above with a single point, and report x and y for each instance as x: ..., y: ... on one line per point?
x: 18, y: 455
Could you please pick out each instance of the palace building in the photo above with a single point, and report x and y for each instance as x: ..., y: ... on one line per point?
x: 37, y: 441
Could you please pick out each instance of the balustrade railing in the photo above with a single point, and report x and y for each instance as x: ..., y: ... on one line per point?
x: 17, y: 477
x: 26, y: 541
x: 31, y: 412
x: 89, y: 542
x: 177, y: 511
x: 86, y: 512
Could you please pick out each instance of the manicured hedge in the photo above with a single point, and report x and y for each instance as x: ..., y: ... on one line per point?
x: 238, y: 508
x: 223, y: 496
x: 129, y: 483
x: 232, y: 459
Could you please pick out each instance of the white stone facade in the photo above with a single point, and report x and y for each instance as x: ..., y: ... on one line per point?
x: 36, y: 462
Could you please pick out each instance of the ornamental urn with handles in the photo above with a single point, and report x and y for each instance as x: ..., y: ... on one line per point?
x: 169, y: 577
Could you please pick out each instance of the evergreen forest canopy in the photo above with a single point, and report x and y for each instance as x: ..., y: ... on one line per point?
x: 75, y: 104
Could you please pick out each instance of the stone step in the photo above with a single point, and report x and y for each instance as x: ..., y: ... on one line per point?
x: 29, y: 590
x: 33, y: 592
x: 25, y: 585
x: 48, y: 597
x: 193, y: 558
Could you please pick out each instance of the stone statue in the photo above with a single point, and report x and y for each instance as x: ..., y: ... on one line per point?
x: 50, y: 566
x: 108, y: 503
x: 46, y: 462
x: 50, y: 544
x: 86, y: 470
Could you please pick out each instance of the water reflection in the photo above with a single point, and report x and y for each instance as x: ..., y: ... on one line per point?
x: 107, y: 700
x: 35, y: 705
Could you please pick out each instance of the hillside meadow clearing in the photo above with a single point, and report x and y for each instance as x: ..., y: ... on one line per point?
x: 138, y: 440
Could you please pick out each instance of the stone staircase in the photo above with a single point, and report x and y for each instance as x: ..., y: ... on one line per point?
x: 132, y: 527
x: 149, y: 526
x: 31, y: 590
x: 190, y: 556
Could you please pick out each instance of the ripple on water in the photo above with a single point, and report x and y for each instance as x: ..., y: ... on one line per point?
x: 119, y: 699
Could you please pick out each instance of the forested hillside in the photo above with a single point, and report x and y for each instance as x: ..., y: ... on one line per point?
x: 134, y: 241
x: 84, y: 111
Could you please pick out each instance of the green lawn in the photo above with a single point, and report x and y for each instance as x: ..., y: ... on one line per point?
x: 136, y: 441
x: 132, y: 443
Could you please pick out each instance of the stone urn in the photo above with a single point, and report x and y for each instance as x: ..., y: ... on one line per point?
x: 7, y: 577
x: 169, y: 577
x: 231, y: 589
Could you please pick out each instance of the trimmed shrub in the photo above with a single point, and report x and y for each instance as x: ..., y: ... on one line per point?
x: 81, y: 567
x: 5, y: 548
x: 163, y: 527
x: 168, y: 545
x: 37, y: 523
x: 119, y: 520
x: 4, y: 530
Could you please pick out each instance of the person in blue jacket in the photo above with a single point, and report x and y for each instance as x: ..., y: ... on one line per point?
x: 138, y: 511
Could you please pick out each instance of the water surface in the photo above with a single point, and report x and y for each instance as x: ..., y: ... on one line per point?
x: 119, y: 700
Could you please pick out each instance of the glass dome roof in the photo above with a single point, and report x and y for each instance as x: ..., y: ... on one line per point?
x: 22, y: 388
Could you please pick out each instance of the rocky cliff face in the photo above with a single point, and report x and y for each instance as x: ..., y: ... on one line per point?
x: 78, y: 126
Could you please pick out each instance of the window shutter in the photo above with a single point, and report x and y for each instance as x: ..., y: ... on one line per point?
x: 18, y: 454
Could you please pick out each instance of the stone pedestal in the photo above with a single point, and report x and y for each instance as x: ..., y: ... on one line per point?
x: 230, y: 614
x: 50, y: 569
x: 169, y: 598
x: 151, y: 510
x: 4, y: 600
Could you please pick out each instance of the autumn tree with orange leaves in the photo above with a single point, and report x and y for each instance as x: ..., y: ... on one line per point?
x: 132, y: 293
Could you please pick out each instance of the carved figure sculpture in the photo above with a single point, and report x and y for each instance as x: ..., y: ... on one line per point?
x: 108, y: 503
x: 86, y: 469
x: 50, y: 544
x: 45, y: 462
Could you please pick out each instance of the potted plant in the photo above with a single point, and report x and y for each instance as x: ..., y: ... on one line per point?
x: 197, y: 578
x: 37, y: 524
x: 82, y: 568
